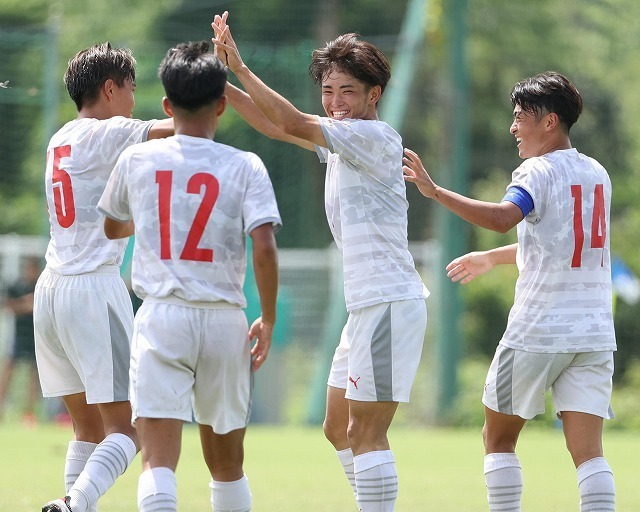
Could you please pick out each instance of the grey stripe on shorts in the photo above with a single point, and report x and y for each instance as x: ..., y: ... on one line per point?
x: 120, y: 354
x: 504, y: 381
x: 382, y: 357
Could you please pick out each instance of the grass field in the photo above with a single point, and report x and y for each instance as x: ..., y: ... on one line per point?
x: 294, y: 469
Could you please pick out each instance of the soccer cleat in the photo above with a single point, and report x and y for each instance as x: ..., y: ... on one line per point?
x: 59, y: 505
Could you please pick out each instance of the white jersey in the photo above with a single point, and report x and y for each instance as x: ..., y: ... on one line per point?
x: 80, y: 158
x: 366, y: 206
x: 192, y: 201
x: 563, y: 300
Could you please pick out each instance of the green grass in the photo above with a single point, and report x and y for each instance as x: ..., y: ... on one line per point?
x: 295, y: 469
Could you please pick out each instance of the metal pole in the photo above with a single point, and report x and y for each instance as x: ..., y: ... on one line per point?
x: 452, y: 230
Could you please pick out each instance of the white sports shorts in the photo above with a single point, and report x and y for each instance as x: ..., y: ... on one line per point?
x: 83, y: 325
x: 580, y: 382
x: 191, y: 356
x: 379, y: 351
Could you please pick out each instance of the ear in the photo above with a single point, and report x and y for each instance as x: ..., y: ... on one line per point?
x: 552, y: 122
x: 107, y: 88
x: 374, y: 94
x: 166, y: 107
x: 221, y: 106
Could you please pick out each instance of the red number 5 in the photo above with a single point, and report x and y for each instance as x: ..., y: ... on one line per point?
x: 191, y: 251
x: 598, y: 222
x: 62, y: 190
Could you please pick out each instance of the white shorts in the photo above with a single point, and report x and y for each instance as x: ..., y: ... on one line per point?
x: 186, y: 357
x: 379, y: 351
x: 83, y: 325
x: 580, y: 382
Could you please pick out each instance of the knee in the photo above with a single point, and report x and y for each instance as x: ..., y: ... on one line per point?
x: 335, y: 433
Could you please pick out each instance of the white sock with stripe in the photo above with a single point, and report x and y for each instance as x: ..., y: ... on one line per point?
x: 157, y: 490
x: 231, y: 496
x: 376, y: 481
x: 503, y: 476
x: 107, y: 462
x: 346, y: 459
x: 597, y: 488
x: 78, y: 453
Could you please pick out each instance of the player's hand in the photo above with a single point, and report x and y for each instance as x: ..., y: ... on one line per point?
x: 415, y: 172
x: 467, y: 267
x: 226, y: 47
x: 262, y: 332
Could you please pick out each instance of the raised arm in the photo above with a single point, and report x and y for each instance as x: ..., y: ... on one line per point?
x: 467, y: 267
x: 265, y: 263
x: 249, y: 111
x: 277, y: 109
x: 161, y: 129
x: 499, y: 217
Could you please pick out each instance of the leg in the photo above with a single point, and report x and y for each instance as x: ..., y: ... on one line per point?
x: 336, y: 423
x: 113, y: 453
x: 583, y: 434
x: 5, y: 382
x: 224, y: 456
x: 34, y: 390
x: 373, y: 463
x: 160, y: 442
x: 502, y: 471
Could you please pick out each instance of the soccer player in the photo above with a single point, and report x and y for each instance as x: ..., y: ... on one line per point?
x: 193, y: 201
x: 379, y: 351
x: 560, y: 332
x: 20, y: 303
x: 82, y: 312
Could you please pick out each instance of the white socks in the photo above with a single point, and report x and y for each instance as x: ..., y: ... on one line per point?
x: 376, y: 481
x: 107, y: 462
x: 231, y: 496
x: 346, y: 459
x: 597, y: 489
x: 77, y: 455
x: 157, y: 491
x: 503, y: 476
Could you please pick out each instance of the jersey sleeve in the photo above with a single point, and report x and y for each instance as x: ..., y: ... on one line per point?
x: 363, y: 143
x: 259, y: 205
x: 114, y: 202
x: 521, y: 198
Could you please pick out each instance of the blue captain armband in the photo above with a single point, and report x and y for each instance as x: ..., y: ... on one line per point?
x: 521, y: 198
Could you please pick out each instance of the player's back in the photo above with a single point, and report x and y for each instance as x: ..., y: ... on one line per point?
x: 80, y: 158
x: 192, y: 201
x: 563, y: 293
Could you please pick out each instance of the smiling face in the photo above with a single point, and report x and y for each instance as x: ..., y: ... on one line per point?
x: 530, y: 132
x: 345, y: 97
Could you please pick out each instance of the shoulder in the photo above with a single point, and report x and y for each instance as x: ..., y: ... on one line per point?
x: 238, y: 156
x: 364, y: 127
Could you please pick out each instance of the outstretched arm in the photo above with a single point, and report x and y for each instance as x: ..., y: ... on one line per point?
x: 499, y: 217
x: 467, y: 267
x: 265, y: 262
x: 277, y: 109
x: 249, y: 111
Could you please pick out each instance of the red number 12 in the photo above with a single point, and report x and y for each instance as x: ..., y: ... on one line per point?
x: 191, y: 251
x: 598, y: 222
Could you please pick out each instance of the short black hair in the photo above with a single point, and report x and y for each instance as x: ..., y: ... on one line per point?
x: 90, y: 68
x: 192, y: 76
x: 348, y: 54
x: 551, y: 92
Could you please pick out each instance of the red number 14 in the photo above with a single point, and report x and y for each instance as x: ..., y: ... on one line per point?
x: 598, y: 222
